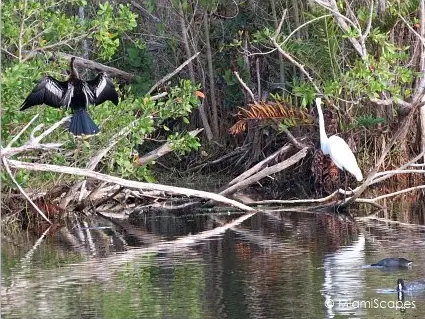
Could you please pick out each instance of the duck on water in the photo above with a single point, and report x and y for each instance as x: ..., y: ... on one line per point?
x: 393, y: 262
x: 76, y: 94
x: 417, y: 285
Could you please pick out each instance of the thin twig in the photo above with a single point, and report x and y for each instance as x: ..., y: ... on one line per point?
x: 53, y: 45
x: 22, y: 131
x: 422, y: 39
x: 400, y: 171
x: 369, y: 23
x: 245, y: 87
x: 297, y: 64
x: 51, y: 129
x: 302, y: 26
x: 170, y: 75
x: 279, y: 28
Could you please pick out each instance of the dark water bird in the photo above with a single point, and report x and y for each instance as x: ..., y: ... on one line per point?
x: 417, y: 285
x: 393, y: 262
x: 337, y: 148
x: 76, y: 94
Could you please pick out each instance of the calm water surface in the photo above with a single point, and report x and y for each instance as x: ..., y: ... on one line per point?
x: 286, y: 265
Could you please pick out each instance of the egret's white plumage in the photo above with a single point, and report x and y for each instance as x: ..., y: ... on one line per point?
x: 337, y: 148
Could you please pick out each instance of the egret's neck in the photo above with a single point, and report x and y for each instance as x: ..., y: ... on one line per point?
x: 323, y: 136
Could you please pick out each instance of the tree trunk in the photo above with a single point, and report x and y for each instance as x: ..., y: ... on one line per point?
x: 211, y: 77
x: 186, y: 42
x: 422, y: 67
x: 202, y: 112
x: 281, y: 62
x: 85, y: 41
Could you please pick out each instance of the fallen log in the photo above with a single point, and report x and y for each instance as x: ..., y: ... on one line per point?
x: 127, y: 183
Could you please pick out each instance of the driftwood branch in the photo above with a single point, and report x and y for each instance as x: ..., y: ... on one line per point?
x: 257, y: 167
x: 126, y: 183
x: 34, y: 142
x: 85, y: 63
x: 402, y: 191
x: 266, y: 172
x: 295, y: 201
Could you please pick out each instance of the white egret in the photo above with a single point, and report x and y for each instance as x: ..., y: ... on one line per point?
x: 337, y: 148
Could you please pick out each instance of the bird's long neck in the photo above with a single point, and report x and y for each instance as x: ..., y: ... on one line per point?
x: 74, y: 72
x: 323, y: 136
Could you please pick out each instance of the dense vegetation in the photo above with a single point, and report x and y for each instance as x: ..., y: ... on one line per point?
x: 366, y: 59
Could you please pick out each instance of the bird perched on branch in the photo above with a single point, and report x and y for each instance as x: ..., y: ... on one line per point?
x: 337, y: 148
x: 74, y: 93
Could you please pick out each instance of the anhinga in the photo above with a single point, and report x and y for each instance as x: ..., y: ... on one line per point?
x: 74, y: 93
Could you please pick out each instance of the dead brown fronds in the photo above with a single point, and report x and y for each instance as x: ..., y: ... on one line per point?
x: 270, y: 110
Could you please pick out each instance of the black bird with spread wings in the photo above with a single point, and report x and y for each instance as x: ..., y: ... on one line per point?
x: 74, y: 93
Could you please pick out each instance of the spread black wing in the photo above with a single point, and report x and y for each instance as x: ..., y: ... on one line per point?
x: 48, y: 91
x: 103, y: 89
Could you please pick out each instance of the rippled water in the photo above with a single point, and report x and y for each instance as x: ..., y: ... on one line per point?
x: 287, y: 265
